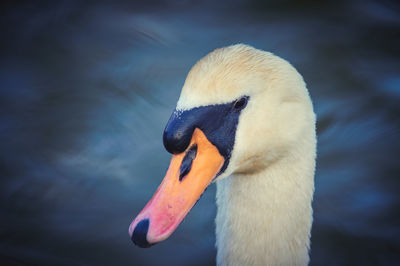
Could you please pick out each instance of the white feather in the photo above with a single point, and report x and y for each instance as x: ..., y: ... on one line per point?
x: 264, y: 196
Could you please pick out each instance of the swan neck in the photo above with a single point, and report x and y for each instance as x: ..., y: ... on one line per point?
x: 266, y: 218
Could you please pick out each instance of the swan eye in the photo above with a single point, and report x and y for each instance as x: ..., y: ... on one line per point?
x: 240, y: 104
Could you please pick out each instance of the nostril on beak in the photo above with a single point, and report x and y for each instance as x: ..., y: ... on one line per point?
x: 187, y: 161
x: 139, y: 235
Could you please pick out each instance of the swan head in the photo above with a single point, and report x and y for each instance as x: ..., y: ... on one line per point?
x: 240, y: 110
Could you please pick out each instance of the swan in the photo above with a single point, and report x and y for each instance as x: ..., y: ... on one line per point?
x: 244, y: 120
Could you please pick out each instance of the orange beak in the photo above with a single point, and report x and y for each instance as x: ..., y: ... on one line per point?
x: 187, y: 177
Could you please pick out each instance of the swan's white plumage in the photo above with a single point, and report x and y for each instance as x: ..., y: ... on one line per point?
x: 264, y: 196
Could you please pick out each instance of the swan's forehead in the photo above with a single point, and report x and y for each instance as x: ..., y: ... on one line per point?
x: 223, y: 76
x: 203, y: 95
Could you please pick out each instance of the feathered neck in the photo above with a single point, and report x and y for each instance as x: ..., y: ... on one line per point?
x: 265, y: 218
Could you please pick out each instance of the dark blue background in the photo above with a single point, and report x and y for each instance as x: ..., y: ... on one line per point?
x: 87, y: 87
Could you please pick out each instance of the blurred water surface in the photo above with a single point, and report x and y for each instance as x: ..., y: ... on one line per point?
x: 86, y: 90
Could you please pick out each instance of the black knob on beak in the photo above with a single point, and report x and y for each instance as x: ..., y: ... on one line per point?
x: 178, y: 132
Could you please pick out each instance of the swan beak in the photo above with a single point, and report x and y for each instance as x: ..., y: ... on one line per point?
x: 187, y: 177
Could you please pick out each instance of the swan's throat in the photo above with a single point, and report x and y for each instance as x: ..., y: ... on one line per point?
x: 265, y: 218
